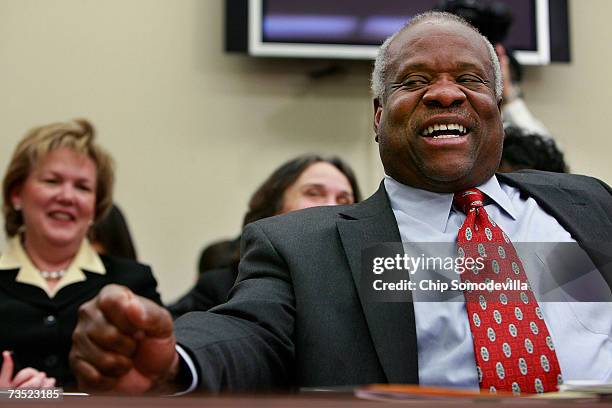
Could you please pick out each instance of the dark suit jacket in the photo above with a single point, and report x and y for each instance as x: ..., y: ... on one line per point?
x: 296, y: 315
x: 39, y: 329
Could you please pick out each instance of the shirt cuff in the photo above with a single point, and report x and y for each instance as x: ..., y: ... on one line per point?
x: 186, y: 360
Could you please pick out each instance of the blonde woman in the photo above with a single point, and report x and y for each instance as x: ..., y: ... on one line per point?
x: 59, y: 182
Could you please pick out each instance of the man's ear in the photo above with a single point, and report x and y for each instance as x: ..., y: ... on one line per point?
x: 378, y: 109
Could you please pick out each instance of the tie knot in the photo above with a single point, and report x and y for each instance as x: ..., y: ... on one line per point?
x: 469, y: 199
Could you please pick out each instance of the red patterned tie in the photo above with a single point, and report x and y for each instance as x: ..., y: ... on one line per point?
x: 513, y: 348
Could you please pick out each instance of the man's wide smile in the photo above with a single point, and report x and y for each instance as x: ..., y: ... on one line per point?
x: 445, y: 131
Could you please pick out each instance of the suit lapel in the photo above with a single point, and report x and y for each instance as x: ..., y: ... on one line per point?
x: 392, y: 325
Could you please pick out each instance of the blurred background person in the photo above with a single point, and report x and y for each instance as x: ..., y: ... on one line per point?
x: 306, y: 181
x: 58, y: 183
x: 217, y: 271
x: 524, y: 150
x: 111, y: 235
x: 493, y: 19
x: 218, y: 255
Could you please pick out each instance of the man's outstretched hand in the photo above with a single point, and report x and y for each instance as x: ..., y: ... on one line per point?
x: 123, y: 343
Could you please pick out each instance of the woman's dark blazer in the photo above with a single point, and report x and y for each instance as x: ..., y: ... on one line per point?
x: 38, y: 329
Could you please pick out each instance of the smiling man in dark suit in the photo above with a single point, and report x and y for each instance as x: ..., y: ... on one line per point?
x: 297, y: 315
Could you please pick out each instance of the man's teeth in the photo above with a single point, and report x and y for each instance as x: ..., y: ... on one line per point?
x: 450, y: 126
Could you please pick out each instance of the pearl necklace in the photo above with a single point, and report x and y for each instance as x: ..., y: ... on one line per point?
x: 53, y: 274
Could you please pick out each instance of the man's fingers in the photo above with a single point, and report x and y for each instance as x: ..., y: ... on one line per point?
x: 107, y: 362
x: 118, y: 336
x: 94, y: 327
x: 90, y: 379
x: 114, y: 301
x: 148, y: 316
x: 128, y: 312
x: 131, y: 313
x: 110, y: 338
x: 103, y: 340
x: 6, y: 373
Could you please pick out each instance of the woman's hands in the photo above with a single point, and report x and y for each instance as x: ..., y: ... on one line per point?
x: 26, y: 378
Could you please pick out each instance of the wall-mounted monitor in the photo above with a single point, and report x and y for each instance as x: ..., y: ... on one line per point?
x: 353, y: 29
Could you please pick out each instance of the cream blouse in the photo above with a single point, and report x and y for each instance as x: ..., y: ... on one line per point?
x: 15, y: 257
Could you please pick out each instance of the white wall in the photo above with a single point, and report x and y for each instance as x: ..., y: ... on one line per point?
x: 194, y: 130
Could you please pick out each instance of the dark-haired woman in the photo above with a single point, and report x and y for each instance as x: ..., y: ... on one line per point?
x: 303, y: 182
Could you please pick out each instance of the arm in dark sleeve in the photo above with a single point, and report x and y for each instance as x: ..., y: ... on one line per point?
x: 246, y: 343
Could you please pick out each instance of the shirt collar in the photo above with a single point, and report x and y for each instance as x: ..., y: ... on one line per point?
x: 493, y: 190
x: 434, y: 208
x: 16, y: 257
x: 425, y: 206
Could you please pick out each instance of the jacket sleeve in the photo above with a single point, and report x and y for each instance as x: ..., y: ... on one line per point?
x: 246, y: 343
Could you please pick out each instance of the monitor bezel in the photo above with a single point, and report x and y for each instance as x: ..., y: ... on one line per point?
x: 257, y: 47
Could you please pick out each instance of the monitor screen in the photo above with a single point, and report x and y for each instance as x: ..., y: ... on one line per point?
x: 355, y: 28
